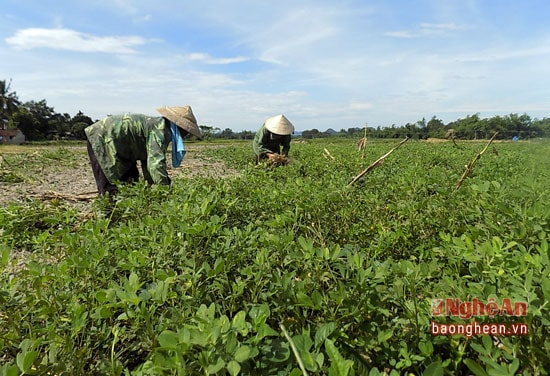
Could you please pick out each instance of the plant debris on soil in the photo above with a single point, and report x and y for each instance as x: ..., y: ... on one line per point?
x: 63, y: 172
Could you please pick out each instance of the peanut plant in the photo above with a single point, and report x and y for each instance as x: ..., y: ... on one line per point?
x: 286, y: 270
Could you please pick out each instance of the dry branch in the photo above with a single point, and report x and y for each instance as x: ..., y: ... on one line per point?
x: 52, y: 195
x: 362, y: 144
x: 470, y: 165
x: 327, y: 154
x: 378, y: 162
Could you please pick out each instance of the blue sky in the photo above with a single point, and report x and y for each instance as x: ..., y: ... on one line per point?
x: 324, y: 64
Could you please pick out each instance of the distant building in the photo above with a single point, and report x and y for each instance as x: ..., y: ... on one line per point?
x: 11, y: 136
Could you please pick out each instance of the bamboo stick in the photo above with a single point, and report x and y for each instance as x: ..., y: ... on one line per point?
x: 378, y: 162
x: 327, y: 154
x: 470, y: 165
x: 362, y: 144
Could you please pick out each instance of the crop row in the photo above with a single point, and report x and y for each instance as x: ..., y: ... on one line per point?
x: 287, y: 270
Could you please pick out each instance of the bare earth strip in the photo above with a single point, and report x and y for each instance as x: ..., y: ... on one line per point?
x: 40, y: 172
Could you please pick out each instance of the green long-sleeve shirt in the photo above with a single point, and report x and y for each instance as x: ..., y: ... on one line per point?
x: 267, y: 142
x: 120, y: 141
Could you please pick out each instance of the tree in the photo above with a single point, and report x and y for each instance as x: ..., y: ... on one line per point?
x: 541, y: 127
x: 207, y: 131
x: 466, y: 128
x: 26, y: 122
x: 8, y: 102
x: 313, y: 133
x: 436, y: 128
x: 37, y: 120
x: 354, y: 131
x: 520, y: 125
x: 490, y: 126
x: 81, y: 118
x: 79, y: 122
x: 226, y: 133
x: 411, y: 130
x: 246, y: 135
x: 77, y: 130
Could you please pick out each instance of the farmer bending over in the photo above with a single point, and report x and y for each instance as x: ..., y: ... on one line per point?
x: 273, y: 135
x: 116, y: 143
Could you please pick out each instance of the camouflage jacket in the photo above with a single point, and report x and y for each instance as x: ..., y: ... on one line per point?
x: 267, y: 142
x: 120, y: 141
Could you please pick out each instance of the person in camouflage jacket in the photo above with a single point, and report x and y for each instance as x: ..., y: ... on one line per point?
x: 117, y: 143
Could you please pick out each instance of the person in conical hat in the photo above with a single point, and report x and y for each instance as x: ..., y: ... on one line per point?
x: 117, y: 143
x: 273, y: 138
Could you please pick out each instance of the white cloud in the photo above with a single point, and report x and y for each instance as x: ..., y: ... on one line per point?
x: 66, y: 39
x: 321, y: 63
x: 357, y: 106
x: 293, y: 36
x: 427, y: 29
x: 207, y: 59
x: 402, y: 34
x: 440, y: 26
x: 505, y: 53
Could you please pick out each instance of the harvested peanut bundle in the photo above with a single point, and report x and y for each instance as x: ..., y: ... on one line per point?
x: 278, y: 160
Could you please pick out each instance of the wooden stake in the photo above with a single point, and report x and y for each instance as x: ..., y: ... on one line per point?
x: 327, y: 154
x: 362, y: 144
x: 472, y: 162
x: 378, y: 162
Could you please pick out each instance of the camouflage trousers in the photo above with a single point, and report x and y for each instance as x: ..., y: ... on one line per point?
x: 103, y: 184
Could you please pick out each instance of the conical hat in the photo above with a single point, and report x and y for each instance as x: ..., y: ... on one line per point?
x: 279, y: 125
x: 183, y: 117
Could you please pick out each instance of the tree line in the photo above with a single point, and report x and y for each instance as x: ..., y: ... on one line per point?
x: 471, y: 127
x: 38, y: 121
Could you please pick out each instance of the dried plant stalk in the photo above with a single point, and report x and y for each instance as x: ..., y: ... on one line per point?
x: 378, y: 162
x: 327, y: 154
x: 51, y: 195
x: 362, y: 144
x: 470, y: 165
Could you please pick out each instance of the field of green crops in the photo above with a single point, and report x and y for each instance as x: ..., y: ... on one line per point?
x: 288, y: 270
